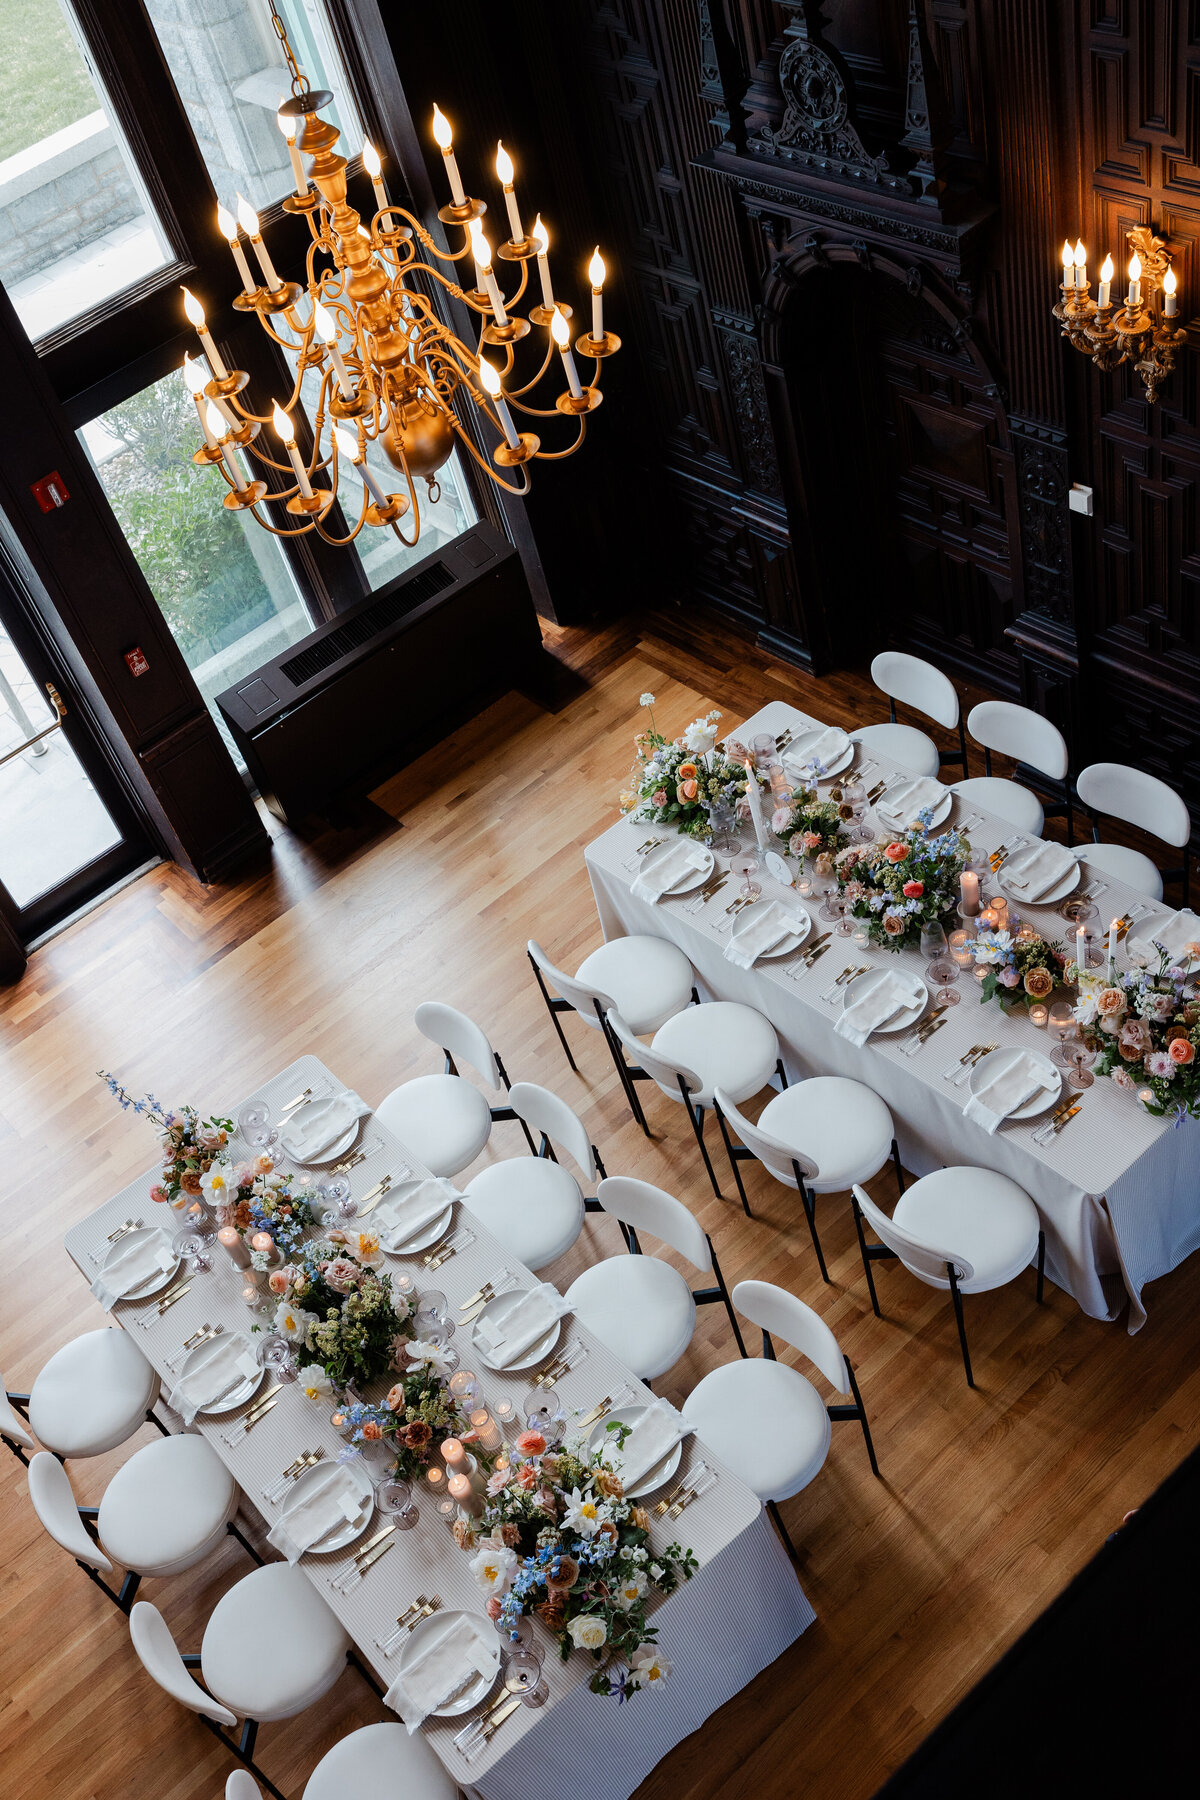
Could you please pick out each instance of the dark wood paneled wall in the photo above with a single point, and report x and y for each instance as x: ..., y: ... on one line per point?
x: 836, y: 230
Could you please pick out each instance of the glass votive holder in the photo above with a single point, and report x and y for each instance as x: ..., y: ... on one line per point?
x: 504, y: 1413
x: 341, y: 1423
x: 485, y: 1428
x: 860, y: 934
x: 464, y: 1385
x: 252, y: 1297
x: 446, y: 1507
x: 1146, y: 1097
x: 404, y: 1284
x: 958, y: 945
x: 764, y: 749
x: 1039, y: 1015
x: 804, y: 884
x: 435, y: 1479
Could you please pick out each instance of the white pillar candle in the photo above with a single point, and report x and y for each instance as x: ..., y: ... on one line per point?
x: 231, y: 1242
x: 445, y: 140
x: 562, y: 337
x: 505, y: 172
x: 541, y: 238
x: 287, y: 433
x: 1114, y: 932
x: 195, y: 315
x: 968, y: 887
x: 290, y: 128
x: 596, y: 273
x: 1081, y: 949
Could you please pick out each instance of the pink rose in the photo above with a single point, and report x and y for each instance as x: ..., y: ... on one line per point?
x: 854, y: 891
x: 912, y: 890
x: 896, y: 853
x: 796, y: 843
x: 499, y: 1481
x: 158, y: 1193
x: 341, y: 1274
x: 659, y: 797
x: 1009, y: 977
x: 278, y: 1282
x: 1121, y: 1077
x: 263, y: 1164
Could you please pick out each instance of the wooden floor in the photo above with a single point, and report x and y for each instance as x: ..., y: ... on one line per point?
x: 991, y: 1499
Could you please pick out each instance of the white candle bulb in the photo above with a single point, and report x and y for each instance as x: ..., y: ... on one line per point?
x: 541, y: 238
x: 1068, y: 266
x: 1104, y: 293
x: 348, y: 447
x: 289, y: 127
x: 227, y: 226
x: 195, y: 316
x: 1079, y: 258
x: 482, y: 251
x: 504, y: 173
x: 490, y: 379
x: 561, y: 334
x: 327, y: 332
x: 1169, y: 286
x: 1081, y: 949
x: 596, y: 274
x: 374, y: 168
x: 1134, y: 296
x: 287, y: 431
x: 193, y: 376
x: 1114, y: 931
x: 216, y: 426
x: 248, y: 220
x: 444, y: 138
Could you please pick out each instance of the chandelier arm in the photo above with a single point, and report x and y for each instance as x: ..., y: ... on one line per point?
x: 282, y: 530
x: 451, y: 287
x: 557, y: 455
x: 514, y: 393
x: 487, y: 467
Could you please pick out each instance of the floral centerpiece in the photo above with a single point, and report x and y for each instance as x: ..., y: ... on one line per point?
x: 902, y: 885
x: 190, y: 1145
x: 417, y: 1415
x: 1020, y: 968
x: 254, y: 1197
x: 675, y: 782
x: 807, y: 825
x: 1146, y: 1030
x: 558, y: 1538
x: 335, y: 1303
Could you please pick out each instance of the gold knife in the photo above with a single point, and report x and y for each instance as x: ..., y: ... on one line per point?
x: 597, y: 1413
x: 269, y: 1394
x: 169, y: 1300
x: 372, y: 1542
x: 253, y: 1419
x: 368, y: 1562
x: 501, y: 1713
x: 486, y: 1292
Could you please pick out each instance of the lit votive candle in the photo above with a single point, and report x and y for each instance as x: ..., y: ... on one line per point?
x: 464, y: 1385
x: 446, y: 1508
x: 988, y: 919
x: 1146, y: 1096
x: 453, y: 1454
x: 1038, y: 1015
x: 404, y: 1284
x: 504, y: 1412
x: 469, y: 1501
x: 231, y: 1242
x: 485, y: 1428
x: 804, y: 885
x: 999, y: 910
x: 860, y: 935
x: 958, y: 944
x: 435, y: 1479
x: 251, y: 1297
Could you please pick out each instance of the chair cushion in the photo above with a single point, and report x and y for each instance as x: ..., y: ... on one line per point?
x: 272, y: 1646
x: 648, y: 980
x: 974, y: 1213
x: 443, y: 1120
x: 1007, y: 799
x: 728, y: 1045
x: 843, y: 1126
x: 639, y: 1306
x: 765, y: 1420
x: 380, y: 1762
x: 533, y: 1205
x: 92, y: 1394
x: 904, y: 744
x: 1127, y: 865
x: 165, y: 1508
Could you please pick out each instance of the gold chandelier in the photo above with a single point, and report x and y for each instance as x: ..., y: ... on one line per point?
x: 390, y: 370
x: 1136, y: 332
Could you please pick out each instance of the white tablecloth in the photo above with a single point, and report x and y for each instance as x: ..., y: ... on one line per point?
x: 722, y: 1628
x: 1118, y: 1190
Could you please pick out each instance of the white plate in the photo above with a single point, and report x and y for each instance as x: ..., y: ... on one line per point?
x: 431, y: 1630
x: 1143, y: 935
x: 1003, y: 1059
x: 862, y: 984
x: 153, y: 1284
x: 332, y: 1151
x: 338, y: 1536
x: 660, y: 1472
x: 426, y: 1234
x: 691, y: 878
x: 1052, y: 895
x: 786, y: 945
x: 793, y: 754
x: 941, y: 810
x: 235, y: 1397
x: 534, y: 1354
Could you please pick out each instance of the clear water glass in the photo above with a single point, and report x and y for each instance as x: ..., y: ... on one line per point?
x: 854, y: 793
x: 1062, y: 1024
x: 543, y: 1411
x: 394, y: 1497
x: 722, y: 819
x: 941, y: 969
x: 523, y: 1676
x: 833, y: 905
x: 747, y: 867
x: 517, y: 1635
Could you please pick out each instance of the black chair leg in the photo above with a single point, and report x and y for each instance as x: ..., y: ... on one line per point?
x: 733, y: 1161
x: 862, y: 1416
x: 618, y: 1056
x: 781, y: 1072
x: 866, y: 1261
x: 809, y: 1200
x: 244, y: 1541
x: 696, y: 1115
x: 553, y: 1011
x: 962, y: 1330
x: 243, y: 1748
x: 158, y: 1424
x: 781, y: 1528
x: 898, y: 1165
x: 1041, y: 1267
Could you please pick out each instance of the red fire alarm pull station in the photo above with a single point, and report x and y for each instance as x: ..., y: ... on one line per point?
x: 136, y: 660
x: 50, y: 492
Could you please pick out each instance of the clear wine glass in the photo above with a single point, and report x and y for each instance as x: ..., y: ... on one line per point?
x: 254, y: 1117
x: 544, y: 1411
x: 747, y: 866
x: 1062, y: 1024
x: 941, y: 969
x: 854, y: 793
x: 191, y: 1243
x: 833, y: 905
x: 1080, y: 1058
x: 523, y: 1676
x: 394, y: 1497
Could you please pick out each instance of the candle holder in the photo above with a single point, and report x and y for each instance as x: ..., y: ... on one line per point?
x: 238, y: 499
x: 396, y: 508
x: 459, y: 215
x: 518, y: 249
x: 319, y: 501
x: 509, y: 456
x: 608, y: 345
x: 1039, y: 1015
x: 544, y: 315
x: 587, y: 402
x: 504, y: 334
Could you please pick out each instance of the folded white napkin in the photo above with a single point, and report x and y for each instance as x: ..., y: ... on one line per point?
x: 651, y: 1440
x: 441, y: 1668
x: 1005, y: 1090
x: 653, y: 883
x: 226, y: 1362
x: 767, y: 928
x: 1034, y: 872
x: 326, y: 1503
x: 400, y: 1219
x: 825, y: 750
x: 509, y: 1331
x: 311, y: 1130
x: 130, y: 1264
x: 1175, y: 936
x: 865, y: 1015
x: 904, y: 801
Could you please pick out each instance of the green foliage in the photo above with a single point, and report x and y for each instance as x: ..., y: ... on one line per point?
x: 47, y: 86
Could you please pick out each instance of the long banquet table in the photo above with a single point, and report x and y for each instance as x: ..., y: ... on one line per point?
x: 719, y: 1630
x: 1118, y: 1190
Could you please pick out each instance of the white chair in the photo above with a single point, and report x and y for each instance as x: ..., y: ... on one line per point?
x: 14, y: 1427
x: 919, y: 685
x: 380, y: 1762
x: 242, y: 1786
x: 443, y: 1119
x: 168, y: 1507
x: 271, y: 1649
x: 1029, y: 739
x: 93, y: 1394
x: 819, y: 1136
x: 646, y: 979
x: 533, y: 1205
x: 721, y: 1044
x: 764, y: 1418
x: 640, y: 1306
x: 969, y: 1230
x: 1139, y: 799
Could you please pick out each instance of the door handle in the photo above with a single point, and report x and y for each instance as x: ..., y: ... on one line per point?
x: 60, y: 708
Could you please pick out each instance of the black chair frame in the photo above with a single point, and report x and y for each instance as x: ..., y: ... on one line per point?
x: 694, y: 1112
x: 499, y: 1113
x: 702, y: 1296
x: 880, y: 1253
x: 1061, y: 793
x: 20, y: 1405
x: 123, y: 1597
x: 946, y: 756
x: 838, y: 1414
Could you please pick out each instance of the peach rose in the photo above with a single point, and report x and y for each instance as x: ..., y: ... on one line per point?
x: 687, y: 790
x: 640, y: 1518
x: 1111, y: 1000
x: 896, y: 853
x: 609, y: 1484
x: 531, y: 1443
x: 189, y: 1181
x: 278, y: 1282
x: 1181, y: 1051
x: 395, y: 1399
x: 687, y: 771
x: 894, y: 925
x: 264, y: 1164
x: 527, y: 1477
x: 1038, y: 983
x: 553, y: 1613
x: 912, y: 890
x: 158, y: 1193
x: 372, y: 1432
x: 811, y: 840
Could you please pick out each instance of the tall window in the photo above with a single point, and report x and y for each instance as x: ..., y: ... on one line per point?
x: 76, y: 226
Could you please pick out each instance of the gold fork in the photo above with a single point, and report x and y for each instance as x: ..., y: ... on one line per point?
x: 669, y: 1499
x: 129, y: 1225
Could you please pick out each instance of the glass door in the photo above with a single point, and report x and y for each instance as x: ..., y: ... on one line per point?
x: 66, y: 830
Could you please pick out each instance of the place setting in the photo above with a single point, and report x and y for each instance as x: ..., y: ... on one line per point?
x: 415, y: 1214
x: 1012, y: 1084
x: 672, y: 868
x: 820, y: 753
x: 885, y: 1000
x: 140, y: 1262
x: 914, y: 800
x: 1038, y: 872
